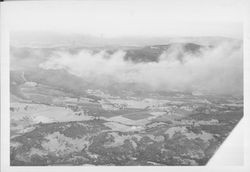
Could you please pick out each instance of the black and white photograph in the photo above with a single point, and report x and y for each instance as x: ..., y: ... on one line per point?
x: 123, y: 83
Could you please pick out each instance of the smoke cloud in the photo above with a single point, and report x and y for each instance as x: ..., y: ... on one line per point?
x: 218, y: 69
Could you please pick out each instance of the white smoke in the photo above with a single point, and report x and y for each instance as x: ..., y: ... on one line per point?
x: 219, y: 69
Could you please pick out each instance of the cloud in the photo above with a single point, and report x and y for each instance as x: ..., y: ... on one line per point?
x: 218, y: 69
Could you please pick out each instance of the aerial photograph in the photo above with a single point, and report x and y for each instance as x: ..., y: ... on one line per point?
x: 123, y: 91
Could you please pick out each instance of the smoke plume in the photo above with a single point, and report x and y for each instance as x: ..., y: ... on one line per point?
x: 218, y: 69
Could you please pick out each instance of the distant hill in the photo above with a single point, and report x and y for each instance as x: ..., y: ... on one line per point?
x: 136, y: 54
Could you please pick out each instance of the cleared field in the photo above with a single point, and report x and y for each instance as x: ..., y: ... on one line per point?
x: 45, y: 114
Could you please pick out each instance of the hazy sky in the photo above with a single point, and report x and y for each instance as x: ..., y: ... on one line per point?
x: 111, y: 18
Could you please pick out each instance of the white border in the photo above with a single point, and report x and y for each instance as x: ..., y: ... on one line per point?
x: 5, y: 133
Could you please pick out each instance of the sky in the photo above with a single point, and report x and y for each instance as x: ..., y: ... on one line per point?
x: 109, y: 18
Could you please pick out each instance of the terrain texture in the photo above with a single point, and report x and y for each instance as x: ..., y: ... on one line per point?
x: 60, y: 118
